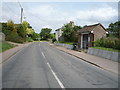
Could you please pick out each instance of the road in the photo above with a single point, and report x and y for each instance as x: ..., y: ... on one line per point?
x: 41, y: 66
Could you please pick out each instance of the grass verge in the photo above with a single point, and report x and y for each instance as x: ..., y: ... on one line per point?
x: 5, y: 46
x: 108, y: 49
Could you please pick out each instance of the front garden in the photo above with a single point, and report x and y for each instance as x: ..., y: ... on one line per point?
x: 109, y: 44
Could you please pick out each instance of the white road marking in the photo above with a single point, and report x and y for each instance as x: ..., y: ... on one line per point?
x: 43, y: 54
x: 58, y: 80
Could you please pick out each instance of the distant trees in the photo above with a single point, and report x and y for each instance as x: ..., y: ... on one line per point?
x: 45, y: 33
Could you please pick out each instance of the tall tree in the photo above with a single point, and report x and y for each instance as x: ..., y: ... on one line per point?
x: 45, y: 33
x: 67, y: 32
x: 114, y: 29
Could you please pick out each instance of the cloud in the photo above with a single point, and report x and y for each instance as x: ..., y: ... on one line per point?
x: 54, y: 16
x: 42, y: 10
x: 100, y: 14
x: 104, y: 15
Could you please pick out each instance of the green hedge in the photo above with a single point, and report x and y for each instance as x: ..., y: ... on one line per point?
x: 108, y: 43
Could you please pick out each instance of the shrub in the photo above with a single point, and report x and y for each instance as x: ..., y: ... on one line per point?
x: 14, y: 38
x: 108, y: 43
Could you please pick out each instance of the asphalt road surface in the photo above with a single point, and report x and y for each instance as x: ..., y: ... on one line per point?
x: 41, y: 66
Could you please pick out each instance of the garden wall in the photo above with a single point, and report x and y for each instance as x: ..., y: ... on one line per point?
x: 114, y: 56
x: 64, y: 45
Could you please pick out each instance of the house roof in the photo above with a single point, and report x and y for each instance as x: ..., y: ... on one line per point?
x: 90, y: 28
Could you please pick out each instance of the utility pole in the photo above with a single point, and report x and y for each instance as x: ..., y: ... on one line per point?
x: 21, y: 14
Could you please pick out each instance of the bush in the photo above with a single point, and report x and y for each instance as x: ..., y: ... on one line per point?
x: 108, y: 43
x: 14, y: 38
x: 29, y: 39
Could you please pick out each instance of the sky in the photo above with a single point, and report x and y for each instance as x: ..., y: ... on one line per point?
x: 55, y: 14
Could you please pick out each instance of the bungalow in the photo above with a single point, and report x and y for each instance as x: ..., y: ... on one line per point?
x: 91, y: 33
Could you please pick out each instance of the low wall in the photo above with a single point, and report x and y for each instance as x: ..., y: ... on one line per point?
x: 114, y: 56
x: 64, y: 45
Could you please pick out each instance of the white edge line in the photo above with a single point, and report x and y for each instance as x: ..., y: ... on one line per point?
x: 43, y: 54
x: 59, y: 82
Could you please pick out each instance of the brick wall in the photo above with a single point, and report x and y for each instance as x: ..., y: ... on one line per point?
x: 91, y: 35
x: 99, y: 32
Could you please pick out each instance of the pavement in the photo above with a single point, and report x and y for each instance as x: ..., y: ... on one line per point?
x: 95, y: 60
x: 8, y: 53
x: 41, y: 66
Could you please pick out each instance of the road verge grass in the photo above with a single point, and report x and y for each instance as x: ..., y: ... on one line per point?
x: 5, y: 46
x: 107, y: 49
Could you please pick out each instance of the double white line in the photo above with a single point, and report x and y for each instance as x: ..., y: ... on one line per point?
x: 54, y: 74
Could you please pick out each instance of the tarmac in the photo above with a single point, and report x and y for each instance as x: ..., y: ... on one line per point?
x: 95, y: 60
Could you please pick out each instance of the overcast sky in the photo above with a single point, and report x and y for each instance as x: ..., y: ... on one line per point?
x: 55, y: 14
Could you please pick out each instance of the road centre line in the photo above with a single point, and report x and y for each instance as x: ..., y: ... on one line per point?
x: 58, y: 80
x: 54, y: 74
x: 43, y: 54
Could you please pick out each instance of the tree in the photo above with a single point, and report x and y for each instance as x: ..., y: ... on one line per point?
x: 29, y: 31
x: 10, y: 25
x: 25, y: 24
x: 70, y: 32
x: 27, y: 28
x: 52, y: 35
x: 20, y: 30
x: 67, y: 32
x: 35, y: 36
x: 75, y: 33
x: 4, y: 29
x: 114, y: 29
x: 45, y: 33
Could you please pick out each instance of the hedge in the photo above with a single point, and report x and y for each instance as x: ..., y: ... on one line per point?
x: 108, y: 43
